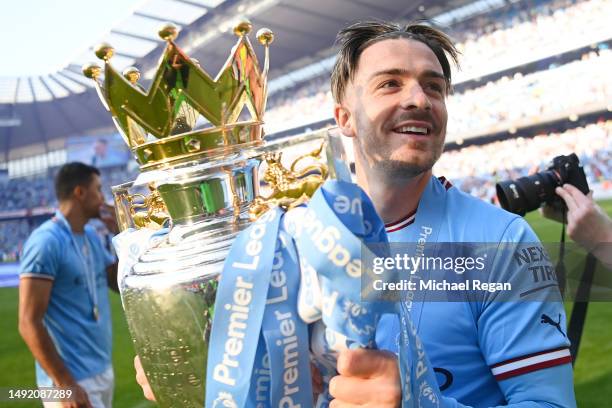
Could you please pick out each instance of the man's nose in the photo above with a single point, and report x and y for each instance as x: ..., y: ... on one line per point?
x: 414, y: 97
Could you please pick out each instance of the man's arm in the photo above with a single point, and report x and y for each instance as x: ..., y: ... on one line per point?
x: 111, y: 277
x: 34, y: 294
x: 371, y: 378
x: 587, y: 223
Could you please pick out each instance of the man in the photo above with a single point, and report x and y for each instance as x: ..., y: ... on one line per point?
x: 100, y: 151
x: 390, y: 86
x: 64, y: 312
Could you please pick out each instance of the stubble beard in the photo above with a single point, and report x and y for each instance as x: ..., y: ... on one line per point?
x: 387, y: 170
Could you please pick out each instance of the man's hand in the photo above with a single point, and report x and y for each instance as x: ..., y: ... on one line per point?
x: 587, y: 224
x: 141, y: 378
x: 366, y: 378
x: 109, y: 218
x: 78, y: 399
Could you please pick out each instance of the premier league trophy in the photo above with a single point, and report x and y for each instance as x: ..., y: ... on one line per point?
x: 199, y: 143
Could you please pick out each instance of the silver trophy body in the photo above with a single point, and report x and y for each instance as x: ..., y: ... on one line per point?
x: 169, y: 293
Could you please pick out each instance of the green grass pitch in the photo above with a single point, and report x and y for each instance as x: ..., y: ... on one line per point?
x: 592, y: 375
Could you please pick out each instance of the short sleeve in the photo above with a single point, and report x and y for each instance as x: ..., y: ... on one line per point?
x: 527, y: 332
x: 40, y: 256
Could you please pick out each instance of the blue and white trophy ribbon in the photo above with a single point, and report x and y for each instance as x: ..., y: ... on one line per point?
x: 288, y: 271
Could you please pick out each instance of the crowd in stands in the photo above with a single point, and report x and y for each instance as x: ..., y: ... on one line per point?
x: 475, y: 169
x: 578, y: 85
x: 12, y: 236
x: 483, y: 109
x: 38, y: 193
x: 530, y: 33
x: 586, y: 79
x: 32, y: 192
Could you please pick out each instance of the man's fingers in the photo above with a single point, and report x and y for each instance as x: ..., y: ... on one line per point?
x: 365, y: 363
x: 567, y: 197
x: 347, y: 389
x: 142, y: 380
x: 576, y: 194
x: 342, y: 404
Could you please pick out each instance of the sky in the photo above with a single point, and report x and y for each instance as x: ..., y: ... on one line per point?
x: 43, y: 36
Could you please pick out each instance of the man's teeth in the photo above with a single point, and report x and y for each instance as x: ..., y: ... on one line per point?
x: 412, y: 129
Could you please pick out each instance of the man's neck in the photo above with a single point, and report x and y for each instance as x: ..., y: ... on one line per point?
x: 74, y: 215
x: 393, y: 201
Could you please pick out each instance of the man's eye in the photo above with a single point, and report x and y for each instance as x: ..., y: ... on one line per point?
x: 435, y: 87
x: 389, y: 84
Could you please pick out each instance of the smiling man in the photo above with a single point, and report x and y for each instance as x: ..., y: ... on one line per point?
x: 390, y: 85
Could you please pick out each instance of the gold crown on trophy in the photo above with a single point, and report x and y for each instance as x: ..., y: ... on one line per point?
x: 186, y: 114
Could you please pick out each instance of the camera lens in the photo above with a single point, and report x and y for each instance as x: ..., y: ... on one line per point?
x: 527, y: 193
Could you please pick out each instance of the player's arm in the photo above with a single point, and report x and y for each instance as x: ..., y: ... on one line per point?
x: 522, y: 334
x: 371, y: 378
x: 34, y: 296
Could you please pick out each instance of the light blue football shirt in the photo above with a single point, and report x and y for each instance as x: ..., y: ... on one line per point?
x: 488, y: 353
x: 83, y: 342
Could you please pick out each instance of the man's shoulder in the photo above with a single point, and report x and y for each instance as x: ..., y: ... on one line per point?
x: 467, y: 203
x: 42, y: 252
x: 476, y: 215
x: 48, y: 232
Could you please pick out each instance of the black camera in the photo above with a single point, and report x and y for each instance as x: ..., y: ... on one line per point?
x: 528, y: 193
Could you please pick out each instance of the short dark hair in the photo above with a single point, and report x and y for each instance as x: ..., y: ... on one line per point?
x: 358, y: 36
x: 71, y: 175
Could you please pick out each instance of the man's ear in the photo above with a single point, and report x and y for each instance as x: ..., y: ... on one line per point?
x: 343, y: 120
x: 78, y: 192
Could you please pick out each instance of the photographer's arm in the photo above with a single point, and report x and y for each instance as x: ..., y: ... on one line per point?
x: 587, y: 224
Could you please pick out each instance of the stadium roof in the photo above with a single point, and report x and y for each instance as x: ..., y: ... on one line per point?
x: 38, y: 112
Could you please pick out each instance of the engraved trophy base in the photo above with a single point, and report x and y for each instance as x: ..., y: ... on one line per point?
x: 169, y: 294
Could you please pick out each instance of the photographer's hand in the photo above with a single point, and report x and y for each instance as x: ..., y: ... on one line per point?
x: 587, y: 224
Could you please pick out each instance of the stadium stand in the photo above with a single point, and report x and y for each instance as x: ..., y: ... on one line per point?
x: 475, y: 169
x: 509, y: 111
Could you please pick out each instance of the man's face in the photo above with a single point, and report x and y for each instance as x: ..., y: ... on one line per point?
x: 92, y: 198
x: 395, y: 108
x: 100, y: 148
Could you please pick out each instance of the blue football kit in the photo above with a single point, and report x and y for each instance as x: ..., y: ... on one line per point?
x: 78, y: 317
x: 488, y: 352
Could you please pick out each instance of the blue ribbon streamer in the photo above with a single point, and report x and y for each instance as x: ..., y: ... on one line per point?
x: 328, y: 237
x: 239, y: 311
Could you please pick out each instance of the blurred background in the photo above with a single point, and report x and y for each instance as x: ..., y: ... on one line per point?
x: 535, y: 82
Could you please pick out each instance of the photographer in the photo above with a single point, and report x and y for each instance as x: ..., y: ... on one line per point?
x: 587, y: 223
